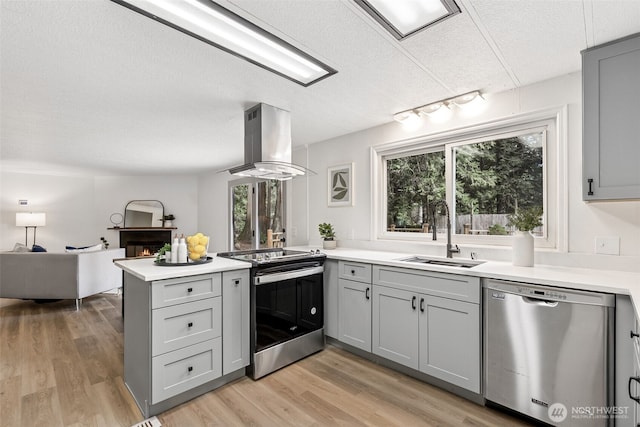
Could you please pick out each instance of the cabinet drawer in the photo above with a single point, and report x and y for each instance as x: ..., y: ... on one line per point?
x: 185, y: 324
x: 357, y: 271
x: 169, y: 292
x: 454, y: 286
x: 184, y: 369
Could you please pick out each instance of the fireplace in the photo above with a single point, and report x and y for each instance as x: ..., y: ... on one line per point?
x: 139, y: 242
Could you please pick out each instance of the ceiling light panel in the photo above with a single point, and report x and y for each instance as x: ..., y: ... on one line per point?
x: 213, y: 24
x: 403, y: 18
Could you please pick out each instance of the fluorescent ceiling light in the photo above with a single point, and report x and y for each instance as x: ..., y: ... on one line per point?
x: 403, y: 18
x: 213, y: 24
x: 465, y: 99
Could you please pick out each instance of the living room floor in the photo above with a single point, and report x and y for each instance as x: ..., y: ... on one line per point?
x: 61, y: 367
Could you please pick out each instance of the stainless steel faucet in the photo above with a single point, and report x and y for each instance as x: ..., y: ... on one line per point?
x: 451, y: 249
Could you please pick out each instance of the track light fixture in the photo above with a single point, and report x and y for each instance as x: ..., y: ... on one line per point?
x: 432, y: 108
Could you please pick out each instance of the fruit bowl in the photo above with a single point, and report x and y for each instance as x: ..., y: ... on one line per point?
x: 197, y: 246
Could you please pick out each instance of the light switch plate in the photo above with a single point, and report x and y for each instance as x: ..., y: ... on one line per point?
x: 608, y: 245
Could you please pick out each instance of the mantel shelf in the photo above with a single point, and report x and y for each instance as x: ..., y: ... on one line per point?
x: 141, y: 228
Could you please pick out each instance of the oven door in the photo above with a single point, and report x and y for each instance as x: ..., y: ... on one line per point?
x: 287, y: 305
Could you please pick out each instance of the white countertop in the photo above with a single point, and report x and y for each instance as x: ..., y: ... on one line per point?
x: 615, y: 282
x: 146, y: 270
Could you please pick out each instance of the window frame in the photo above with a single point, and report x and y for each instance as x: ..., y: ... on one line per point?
x: 552, y: 121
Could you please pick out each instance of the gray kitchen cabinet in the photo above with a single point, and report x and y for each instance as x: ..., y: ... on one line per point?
x: 235, y: 320
x: 331, y: 298
x: 611, y: 129
x: 395, y: 325
x: 414, y: 325
x: 178, y: 332
x: 450, y: 341
x: 627, y: 362
x: 354, y: 304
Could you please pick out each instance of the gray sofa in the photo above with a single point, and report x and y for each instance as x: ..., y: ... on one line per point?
x: 48, y: 275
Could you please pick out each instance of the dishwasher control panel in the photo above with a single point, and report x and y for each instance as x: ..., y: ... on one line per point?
x: 498, y: 289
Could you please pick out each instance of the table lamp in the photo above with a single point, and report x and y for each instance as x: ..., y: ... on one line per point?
x: 30, y: 219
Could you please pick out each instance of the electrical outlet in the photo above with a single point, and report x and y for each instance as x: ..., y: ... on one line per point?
x: 23, y: 202
x: 608, y: 245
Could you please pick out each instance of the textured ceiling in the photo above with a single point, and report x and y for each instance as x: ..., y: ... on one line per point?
x: 89, y: 85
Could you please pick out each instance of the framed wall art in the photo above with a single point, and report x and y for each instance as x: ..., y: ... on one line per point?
x: 340, y: 185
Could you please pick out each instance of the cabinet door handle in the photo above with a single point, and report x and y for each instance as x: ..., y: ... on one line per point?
x: 353, y: 272
x: 190, y: 368
x: 366, y: 294
x: 413, y: 302
x: 189, y: 290
x: 236, y: 282
x: 590, y: 182
x: 422, y: 305
x: 190, y: 324
x: 633, y: 335
x: 631, y: 380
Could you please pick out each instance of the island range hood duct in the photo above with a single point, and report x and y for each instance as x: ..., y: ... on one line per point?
x: 267, y: 145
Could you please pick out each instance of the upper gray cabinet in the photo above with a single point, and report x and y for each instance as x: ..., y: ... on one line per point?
x: 611, y: 120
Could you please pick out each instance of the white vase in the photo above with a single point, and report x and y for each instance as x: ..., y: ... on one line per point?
x: 522, y: 245
x: 329, y: 244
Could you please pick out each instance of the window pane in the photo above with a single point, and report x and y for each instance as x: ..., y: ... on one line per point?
x: 241, y: 220
x: 413, y: 184
x: 494, y: 179
x: 270, y: 213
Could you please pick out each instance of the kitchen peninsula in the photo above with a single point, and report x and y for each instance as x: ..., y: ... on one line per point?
x: 186, y: 329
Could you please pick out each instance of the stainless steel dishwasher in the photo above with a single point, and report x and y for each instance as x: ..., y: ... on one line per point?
x: 549, y: 352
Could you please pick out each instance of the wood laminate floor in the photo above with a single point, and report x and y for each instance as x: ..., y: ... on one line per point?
x: 61, y: 367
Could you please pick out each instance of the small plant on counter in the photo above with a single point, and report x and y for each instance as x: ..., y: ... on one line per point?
x: 161, y: 252
x: 326, y: 231
x: 526, y: 219
x: 105, y: 244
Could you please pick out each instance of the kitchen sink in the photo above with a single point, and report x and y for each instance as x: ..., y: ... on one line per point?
x: 448, y: 262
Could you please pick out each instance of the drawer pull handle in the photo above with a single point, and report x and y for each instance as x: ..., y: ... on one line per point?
x: 236, y: 282
x: 190, y: 368
x: 190, y: 290
x: 190, y: 324
x: 633, y: 335
x: 353, y: 272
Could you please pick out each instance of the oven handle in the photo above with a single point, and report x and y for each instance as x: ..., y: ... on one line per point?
x: 294, y: 274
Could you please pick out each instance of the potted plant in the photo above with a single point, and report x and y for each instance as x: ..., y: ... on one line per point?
x: 167, y: 220
x: 328, y: 235
x: 524, y: 220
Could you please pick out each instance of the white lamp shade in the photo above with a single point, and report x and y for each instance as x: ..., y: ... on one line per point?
x: 31, y: 219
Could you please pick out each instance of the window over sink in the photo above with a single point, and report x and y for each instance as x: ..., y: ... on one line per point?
x: 484, y: 173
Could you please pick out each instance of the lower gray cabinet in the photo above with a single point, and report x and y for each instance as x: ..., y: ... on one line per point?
x: 235, y: 320
x: 416, y: 326
x: 331, y: 292
x: 395, y: 325
x: 354, y: 326
x: 450, y: 341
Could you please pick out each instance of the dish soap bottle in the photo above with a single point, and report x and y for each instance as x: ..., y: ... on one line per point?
x: 182, y: 250
x: 174, y: 250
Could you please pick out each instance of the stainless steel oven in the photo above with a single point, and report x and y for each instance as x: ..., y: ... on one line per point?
x: 287, y: 307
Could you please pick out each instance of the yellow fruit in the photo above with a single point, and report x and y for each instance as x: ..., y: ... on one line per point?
x: 194, y: 256
x: 199, y: 235
x: 200, y: 249
x: 204, y: 240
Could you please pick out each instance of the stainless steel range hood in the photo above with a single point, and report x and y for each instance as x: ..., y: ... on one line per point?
x: 267, y: 145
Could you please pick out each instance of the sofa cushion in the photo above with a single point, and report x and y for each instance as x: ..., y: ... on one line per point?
x: 19, y: 247
x: 93, y: 248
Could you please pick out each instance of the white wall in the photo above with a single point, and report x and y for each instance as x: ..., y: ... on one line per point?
x: 79, y: 208
x: 585, y: 220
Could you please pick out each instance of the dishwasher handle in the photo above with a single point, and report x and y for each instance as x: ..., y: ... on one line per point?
x: 540, y: 301
x: 631, y: 380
